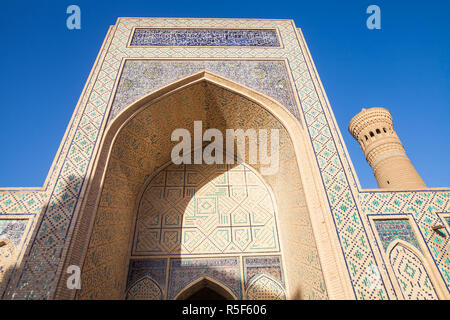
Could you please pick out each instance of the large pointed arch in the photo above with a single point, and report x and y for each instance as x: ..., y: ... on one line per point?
x: 328, y: 258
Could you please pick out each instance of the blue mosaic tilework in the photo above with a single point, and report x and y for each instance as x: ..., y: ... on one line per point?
x: 411, y: 274
x: 185, y: 271
x: 12, y: 230
x: 448, y: 220
x: 390, y: 230
x: 153, y: 268
x: 204, y: 37
x: 258, y: 265
x: 23, y: 202
x: 42, y: 257
x: 141, y: 77
x: 423, y: 207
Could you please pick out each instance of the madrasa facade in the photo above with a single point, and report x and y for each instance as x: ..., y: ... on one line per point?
x: 118, y: 218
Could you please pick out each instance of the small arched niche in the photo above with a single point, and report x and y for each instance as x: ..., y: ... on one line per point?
x: 415, y: 282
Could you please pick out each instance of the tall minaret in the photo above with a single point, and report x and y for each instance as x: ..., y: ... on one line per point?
x: 383, y: 149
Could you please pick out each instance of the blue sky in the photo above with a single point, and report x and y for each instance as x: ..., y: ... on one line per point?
x: 404, y: 67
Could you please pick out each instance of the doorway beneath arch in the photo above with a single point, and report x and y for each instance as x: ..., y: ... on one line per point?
x: 138, y: 144
x: 205, y: 289
x: 206, y: 293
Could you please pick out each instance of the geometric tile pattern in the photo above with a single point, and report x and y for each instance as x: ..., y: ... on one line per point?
x: 154, y: 269
x: 23, y: 202
x: 7, y: 252
x: 146, y: 277
x: 36, y: 279
x: 123, y: 182
x: 11, y: 234
x: 184, y: 271
x: 205, y: 209
x: 144, y: 289
x: 389, y: 230
x: 204, y: 37
x: 355, y: 244
x: 140, y: 77
x: 259, y: 265
x: 411, y: 274
x: 265, y: 288
x: 424, y: 208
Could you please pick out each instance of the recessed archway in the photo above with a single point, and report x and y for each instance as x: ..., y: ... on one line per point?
x: 137, y: 143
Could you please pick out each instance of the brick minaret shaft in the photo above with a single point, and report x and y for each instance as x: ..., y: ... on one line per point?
x: 374, y: 130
